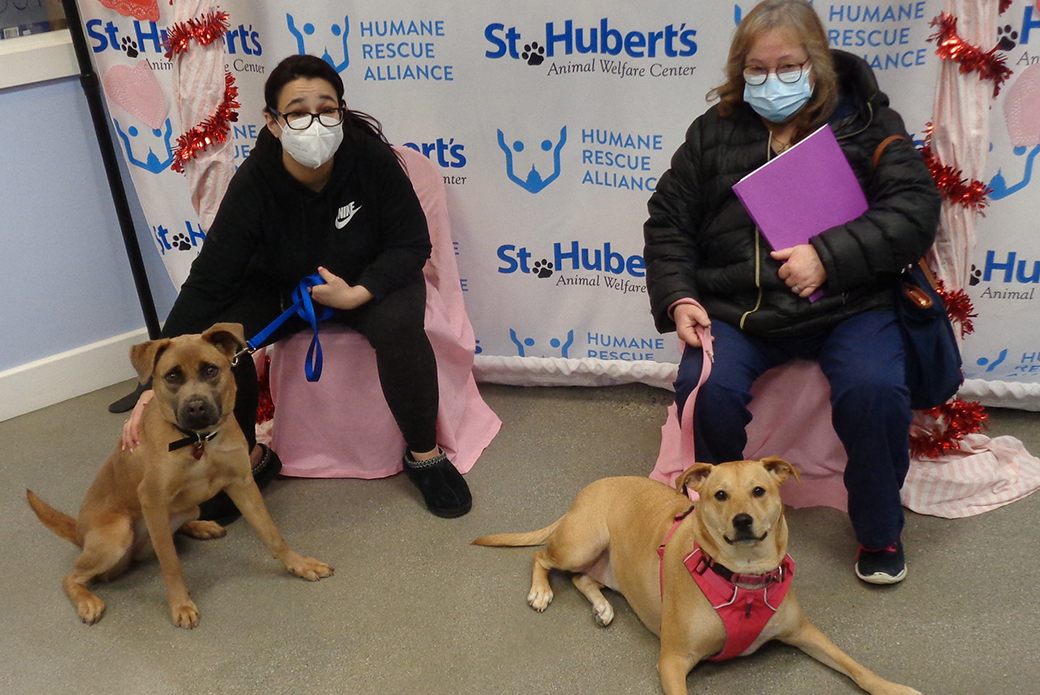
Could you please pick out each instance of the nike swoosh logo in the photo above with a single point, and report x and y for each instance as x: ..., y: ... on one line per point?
x: 346, y: 213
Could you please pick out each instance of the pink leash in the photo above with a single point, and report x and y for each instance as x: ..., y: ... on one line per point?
x: 686, y: 424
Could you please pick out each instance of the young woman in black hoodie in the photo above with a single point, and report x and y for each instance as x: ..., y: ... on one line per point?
x: 322, y: 191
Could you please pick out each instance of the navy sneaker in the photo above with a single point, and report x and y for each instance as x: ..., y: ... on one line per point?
x: 884, y: 566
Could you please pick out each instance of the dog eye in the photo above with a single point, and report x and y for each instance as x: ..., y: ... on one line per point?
x: 758, y: 492
x: 721, y: 496
x: 172, y: 377
x: 210, y: 370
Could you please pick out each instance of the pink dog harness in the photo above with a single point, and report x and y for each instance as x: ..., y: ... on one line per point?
x: 744, y: 610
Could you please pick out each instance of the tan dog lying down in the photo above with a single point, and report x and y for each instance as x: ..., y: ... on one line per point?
x: 611, y: 536
x: 191, y: 448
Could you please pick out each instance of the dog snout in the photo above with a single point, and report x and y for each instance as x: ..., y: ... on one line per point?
x: 743, y: 522
x: 197, y: 413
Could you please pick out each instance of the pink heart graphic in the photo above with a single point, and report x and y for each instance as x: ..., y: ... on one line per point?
x: 138, y: 92
x: 138, y: 9
x: 1022, y: 108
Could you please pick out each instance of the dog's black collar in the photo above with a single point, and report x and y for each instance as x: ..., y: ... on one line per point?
x: 732, y: 577
x: 194, y: 439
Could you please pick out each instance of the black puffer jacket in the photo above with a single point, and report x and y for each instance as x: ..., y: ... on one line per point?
x: 701, y: 243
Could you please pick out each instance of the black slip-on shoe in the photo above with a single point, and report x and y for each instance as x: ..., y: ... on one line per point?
x: 442, y: 486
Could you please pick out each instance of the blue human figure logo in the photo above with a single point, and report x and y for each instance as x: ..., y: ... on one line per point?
x: 534, y: 182
x: 564, y: 347
x: 522, y: 346
x: 151, y: 162
x: 307, y: 30
x: 984, y: 361
x: 998, y: 186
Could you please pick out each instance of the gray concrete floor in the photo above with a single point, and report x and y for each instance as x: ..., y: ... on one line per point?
x: 414, y: 608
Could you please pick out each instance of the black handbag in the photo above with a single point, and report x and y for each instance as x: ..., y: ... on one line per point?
x: 933, y: 360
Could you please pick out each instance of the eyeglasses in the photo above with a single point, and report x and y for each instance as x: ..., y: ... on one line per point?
x: 301, y: 120
x: 788, y: 73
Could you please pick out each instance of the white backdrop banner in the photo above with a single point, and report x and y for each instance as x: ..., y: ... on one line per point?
x: 552, y: 122
x: 1002, y: 357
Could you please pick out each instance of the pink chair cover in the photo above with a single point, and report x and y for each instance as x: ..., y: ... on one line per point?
x: 340, y: 426
x: 792, y: 419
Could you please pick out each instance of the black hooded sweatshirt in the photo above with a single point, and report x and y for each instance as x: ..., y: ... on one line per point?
x: 366, y: 226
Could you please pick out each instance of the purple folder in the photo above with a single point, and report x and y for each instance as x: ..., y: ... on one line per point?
x: 802, y: 192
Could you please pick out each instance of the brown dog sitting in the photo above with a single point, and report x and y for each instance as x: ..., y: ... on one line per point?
x: 641, y: 539
x: 191, y: 448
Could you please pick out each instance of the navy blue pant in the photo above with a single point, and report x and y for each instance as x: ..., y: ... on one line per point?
x: 863, y: 359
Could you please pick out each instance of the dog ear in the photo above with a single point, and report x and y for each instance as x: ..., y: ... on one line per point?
x: 144, y: 357
x: 229, y: 338
x: 780, y: 469
x: 694, y: 476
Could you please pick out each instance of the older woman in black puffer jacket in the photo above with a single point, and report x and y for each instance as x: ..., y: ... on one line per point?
x: 707, y: 264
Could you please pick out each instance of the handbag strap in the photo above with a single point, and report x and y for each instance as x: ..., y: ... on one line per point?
x: 928, y: 274
x: 877, y: 158
x: 882, y: 145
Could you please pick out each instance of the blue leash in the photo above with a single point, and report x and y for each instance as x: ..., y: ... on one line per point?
x: 303, y: 306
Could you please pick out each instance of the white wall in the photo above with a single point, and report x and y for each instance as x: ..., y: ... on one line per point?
x: 68, y: 307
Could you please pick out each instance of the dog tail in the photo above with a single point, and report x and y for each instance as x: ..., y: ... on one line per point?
x: 516, y: 540
x: 62, y: 524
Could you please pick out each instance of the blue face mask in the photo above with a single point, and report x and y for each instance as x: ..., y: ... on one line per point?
x: 777, y: 101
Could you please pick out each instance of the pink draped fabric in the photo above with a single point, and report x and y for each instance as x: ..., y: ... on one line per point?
x: 198, y: 83
x: 792, y: 419
x: 340, y: 426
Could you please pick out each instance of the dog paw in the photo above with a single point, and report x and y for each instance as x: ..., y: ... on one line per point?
x: 90, y: 609
x: 310, y: 569
x: 203, y: 530
x: 603, y: 614
x: 539, y: 599
x: 185, y: 615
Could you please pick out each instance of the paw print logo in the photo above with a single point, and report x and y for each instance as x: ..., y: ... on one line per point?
x: 181, y: 242
x: 129, y: 46
x: 543, y: 268
x: 1007, y: 38
x: 533, y: 53
x: 976, y: 275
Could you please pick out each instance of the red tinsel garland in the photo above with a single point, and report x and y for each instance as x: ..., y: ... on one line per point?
x: 265, y: 408
x: 955, y: 419
x: 206, y: 30
x: 952, y: 422
x: 214, y: 129
x: 951, y: 182
x: 988, y: 64
x: 959, y: 307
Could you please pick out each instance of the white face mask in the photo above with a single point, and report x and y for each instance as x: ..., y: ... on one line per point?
x: 315, y: 145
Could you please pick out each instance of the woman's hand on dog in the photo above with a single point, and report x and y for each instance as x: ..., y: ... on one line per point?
x: 132, y: 426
